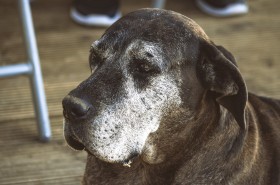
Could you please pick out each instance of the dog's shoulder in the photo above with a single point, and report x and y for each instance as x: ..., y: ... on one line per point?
x: 266, y: 106
x: 267, y: 112
x: 267, y: 119
x: 267, y: 115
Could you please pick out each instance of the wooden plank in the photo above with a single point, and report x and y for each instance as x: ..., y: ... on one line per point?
x: 24, y: 160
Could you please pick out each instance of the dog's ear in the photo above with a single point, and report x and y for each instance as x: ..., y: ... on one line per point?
x: 219, y: 74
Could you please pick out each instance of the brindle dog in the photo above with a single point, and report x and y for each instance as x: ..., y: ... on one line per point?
x: 165, y: 105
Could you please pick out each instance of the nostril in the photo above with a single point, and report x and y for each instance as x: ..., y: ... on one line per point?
x: 79, y: 109
x: 74, y: 107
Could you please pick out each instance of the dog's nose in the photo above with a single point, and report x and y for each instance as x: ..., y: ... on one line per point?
x: 75, y: 108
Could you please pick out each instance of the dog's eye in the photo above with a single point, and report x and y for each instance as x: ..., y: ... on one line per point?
x: 144, y: 67
x: 142, y: 71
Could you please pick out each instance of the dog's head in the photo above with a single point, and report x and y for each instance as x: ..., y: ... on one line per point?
x: 149, y: 67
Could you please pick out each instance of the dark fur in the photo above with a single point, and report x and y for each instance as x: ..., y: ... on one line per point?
x: 227, y: 136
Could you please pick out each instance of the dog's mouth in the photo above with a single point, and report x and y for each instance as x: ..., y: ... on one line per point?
x: 74, y: 143
x: 130, y: 159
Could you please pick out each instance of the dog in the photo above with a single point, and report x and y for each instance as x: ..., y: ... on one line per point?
x: 165, y: 105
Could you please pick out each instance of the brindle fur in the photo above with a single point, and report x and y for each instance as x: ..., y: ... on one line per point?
x: 164, y: 97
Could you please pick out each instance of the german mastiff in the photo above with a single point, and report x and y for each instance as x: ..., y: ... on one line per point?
x: 165, y: 105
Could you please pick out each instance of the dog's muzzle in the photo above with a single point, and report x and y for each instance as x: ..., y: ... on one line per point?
x: 75, y: 111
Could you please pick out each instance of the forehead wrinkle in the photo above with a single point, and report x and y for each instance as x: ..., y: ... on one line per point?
x: 140, y: 49
x: 94, y: 49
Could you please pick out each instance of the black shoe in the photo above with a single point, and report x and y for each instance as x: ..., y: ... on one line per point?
x: 95, y: 12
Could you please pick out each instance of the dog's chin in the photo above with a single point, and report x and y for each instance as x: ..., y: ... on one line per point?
x: 123, y: 161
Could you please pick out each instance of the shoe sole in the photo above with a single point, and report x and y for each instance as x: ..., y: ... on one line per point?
x: 230, y: 10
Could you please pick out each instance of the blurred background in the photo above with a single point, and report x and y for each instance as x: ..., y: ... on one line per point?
x: 63, y: 50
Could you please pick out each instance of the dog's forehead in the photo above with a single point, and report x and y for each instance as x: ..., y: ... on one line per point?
x: 159, y: 22
x: 175, y: 34
x: 190, y: 25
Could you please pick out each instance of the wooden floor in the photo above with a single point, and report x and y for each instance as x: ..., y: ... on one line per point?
x: 254, y: 39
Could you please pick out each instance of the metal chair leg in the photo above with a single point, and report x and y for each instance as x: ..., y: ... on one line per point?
x: 36, y: 80
x: 158, y: 4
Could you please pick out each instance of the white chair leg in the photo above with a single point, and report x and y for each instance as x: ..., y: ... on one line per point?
x: 158, y: 4
x: 39, y: 99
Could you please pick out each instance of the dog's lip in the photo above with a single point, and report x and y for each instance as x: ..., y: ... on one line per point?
x: 73, y: 142
x: 130, y: 159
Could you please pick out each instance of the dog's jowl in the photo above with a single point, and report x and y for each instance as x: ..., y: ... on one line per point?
x: 165, y: 105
